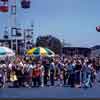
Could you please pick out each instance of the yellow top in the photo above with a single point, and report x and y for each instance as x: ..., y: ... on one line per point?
x: 13, y: 77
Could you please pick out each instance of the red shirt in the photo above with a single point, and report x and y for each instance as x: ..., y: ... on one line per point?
x: 36, y: 72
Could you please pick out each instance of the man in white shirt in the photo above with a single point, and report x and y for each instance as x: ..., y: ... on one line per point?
x: 42, y: 75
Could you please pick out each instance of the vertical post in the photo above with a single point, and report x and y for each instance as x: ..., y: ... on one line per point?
x: 32, y: 26
x: 11, y: 43
x: 25, y: 39
x: 13, y: 28
x: 11, y: 39
x: 16, y: 45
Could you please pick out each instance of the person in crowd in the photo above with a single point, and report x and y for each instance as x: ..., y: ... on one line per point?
x: 71, y: 74
x: 42, y: 74
x: 13, y: 78
x: 36, y: 74
x: 20, y: 75
x: 84, y: 71
x: 46, y: 65
x: 65, y: 73
x: 28, y: 68
x: 59, y: 71
x: 77, y: 74
x: 52, y: 72
x: 89, y: 70
x: 4, y: 70
x: 1, y: 77
x: 75, y: 71
x: 26, y: 76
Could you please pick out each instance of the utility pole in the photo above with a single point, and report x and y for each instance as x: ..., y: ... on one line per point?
x: 13, y: 27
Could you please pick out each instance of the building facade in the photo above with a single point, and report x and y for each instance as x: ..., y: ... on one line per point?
x: 95, y: 51
x: 21, y: 40
x: 71, y: 51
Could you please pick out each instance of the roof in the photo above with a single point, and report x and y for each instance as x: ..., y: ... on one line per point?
x: 77, y: 47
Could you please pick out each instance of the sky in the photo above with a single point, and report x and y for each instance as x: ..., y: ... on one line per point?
x: 74, y: 21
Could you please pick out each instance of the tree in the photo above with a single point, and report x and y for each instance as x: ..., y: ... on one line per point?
x: 50, y: 42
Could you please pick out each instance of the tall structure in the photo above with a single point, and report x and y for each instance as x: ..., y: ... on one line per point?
x: 28, y: 37
x: 16, y: 33
x: 13, y: 24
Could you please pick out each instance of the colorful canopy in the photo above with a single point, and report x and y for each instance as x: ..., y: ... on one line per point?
x: 40, y: 51
x: 4, y: 52
x: 30, y: 52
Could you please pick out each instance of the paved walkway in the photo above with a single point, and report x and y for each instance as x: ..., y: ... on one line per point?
x: 52, y: 92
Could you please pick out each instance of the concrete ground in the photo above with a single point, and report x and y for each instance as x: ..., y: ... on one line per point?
x: 52, y: 92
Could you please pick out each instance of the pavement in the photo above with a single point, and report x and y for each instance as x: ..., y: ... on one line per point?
x: 52, y: 92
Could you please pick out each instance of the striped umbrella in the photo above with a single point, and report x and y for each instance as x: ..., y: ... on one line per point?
x: 6, y: 52
x: 40, y: 51
x: 2, y: 51
x: 30, y: 52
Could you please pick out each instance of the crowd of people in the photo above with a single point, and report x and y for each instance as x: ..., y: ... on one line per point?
x: 59, y: 71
